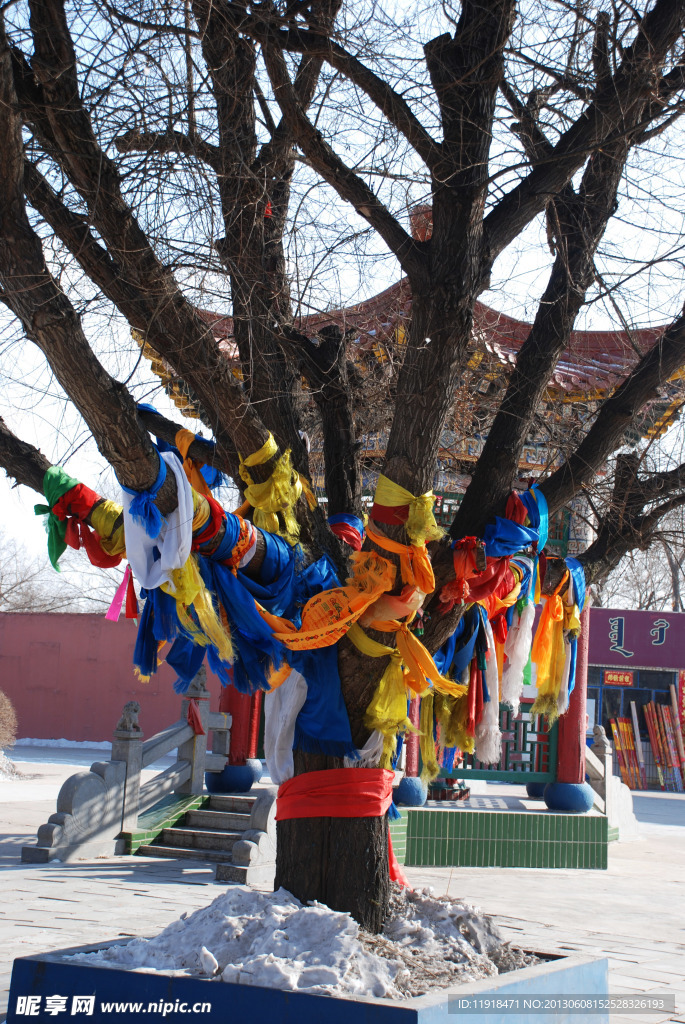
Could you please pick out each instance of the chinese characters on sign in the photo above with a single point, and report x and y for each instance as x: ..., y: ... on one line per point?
x: 29, y: 1006
x: 612, y: 678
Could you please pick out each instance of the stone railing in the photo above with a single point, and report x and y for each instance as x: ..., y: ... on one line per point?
x: 599, y: 769
x: 612, y: 797
x: 95, y: 807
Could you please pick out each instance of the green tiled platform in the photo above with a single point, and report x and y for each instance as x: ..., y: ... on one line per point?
x: 398, y: 834
x: 500, y: 838
x: 164, y: 814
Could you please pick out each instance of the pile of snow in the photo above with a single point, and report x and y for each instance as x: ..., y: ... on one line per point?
x: 8, y: 769
x: 273, y: 940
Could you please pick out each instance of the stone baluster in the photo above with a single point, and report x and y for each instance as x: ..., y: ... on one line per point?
x: 127, y: 746
x: 603, y: 751
x: 194, y: 750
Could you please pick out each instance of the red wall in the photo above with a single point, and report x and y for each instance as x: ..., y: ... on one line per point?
x: 69, y: 676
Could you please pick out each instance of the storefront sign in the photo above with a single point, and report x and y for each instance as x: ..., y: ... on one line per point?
x: 631, y: 639
x: 612, y: 678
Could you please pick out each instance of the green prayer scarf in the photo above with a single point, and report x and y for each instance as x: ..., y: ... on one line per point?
x: 56, y: 482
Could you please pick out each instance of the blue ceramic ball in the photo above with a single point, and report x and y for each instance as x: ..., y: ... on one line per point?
x: 235, y: 778
x: 575, y: 797
x: 411, y: 792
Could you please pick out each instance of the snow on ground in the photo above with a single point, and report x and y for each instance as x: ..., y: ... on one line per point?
x: 272, y: 940
x: 85, y: 744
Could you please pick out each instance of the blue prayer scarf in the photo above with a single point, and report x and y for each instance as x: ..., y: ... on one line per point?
x: 143, y: 509
x: 322, y: 726
x: 504, y: 537
x: 213, y: 477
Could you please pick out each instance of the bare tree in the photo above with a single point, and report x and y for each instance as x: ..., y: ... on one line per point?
x: 28, y: 584
x: 163, y: 170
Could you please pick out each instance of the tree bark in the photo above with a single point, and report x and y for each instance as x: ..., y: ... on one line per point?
x: 341, y: 862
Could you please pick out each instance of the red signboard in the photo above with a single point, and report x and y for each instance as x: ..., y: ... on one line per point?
x: 615, y: 678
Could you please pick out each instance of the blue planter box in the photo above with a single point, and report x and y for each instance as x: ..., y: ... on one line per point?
x: 84, y: 992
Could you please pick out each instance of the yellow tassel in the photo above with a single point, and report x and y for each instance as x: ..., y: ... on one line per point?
x: 308, y: 492
x: 452, y: 713
x: 387, y: 711
x: 187, y: 588
x: 276, y: 495
x: 546, y: 704
x: 430, y: 768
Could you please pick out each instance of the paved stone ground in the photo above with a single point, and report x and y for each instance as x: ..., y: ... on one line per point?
x: 634, y: 912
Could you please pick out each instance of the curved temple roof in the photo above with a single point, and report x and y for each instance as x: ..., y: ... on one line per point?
x: 593, y: 361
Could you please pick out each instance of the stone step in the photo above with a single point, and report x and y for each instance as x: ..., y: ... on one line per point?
x: 231, y: 873
x: 231, y: 802
x: 199, y: 839
x: 226, y: 821
x: 185, y: 853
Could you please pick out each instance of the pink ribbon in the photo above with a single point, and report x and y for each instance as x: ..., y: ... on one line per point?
x: 118, y: 599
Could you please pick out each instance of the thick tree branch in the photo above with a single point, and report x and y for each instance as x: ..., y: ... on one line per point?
x: 134, y: 141
x: 72, y: 229
x: 324, y: 364
x: 252, y: 246
x: 21, y: 460
x: 55, y: 111
x: 625, y: 525
x: 617, y: 415
x: 578, y: 221
x: 49, y: 319
x: 219, y: 458
x: 465, y: 73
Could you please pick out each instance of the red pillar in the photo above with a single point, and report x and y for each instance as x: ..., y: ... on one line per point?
x: 571, y: 792
x: 245, y: 710
x: 255, y: 718
x: 572, y: 724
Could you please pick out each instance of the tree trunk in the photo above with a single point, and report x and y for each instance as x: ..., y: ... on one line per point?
x: 342, y: 862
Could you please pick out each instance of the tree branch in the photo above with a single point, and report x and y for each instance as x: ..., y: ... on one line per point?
x: 339, y: 176
x: 392, y: 105
x: 21, y: 460
x: 324, y: 364
x: 657, y: 33
x: 157, y: 307
x: 625, y: 525
x: 49, y: 319
x: 578, y: 220
x: 617, y: 415
x: 219, y: 458
x: 134, y: 141
x: 72, y: 229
